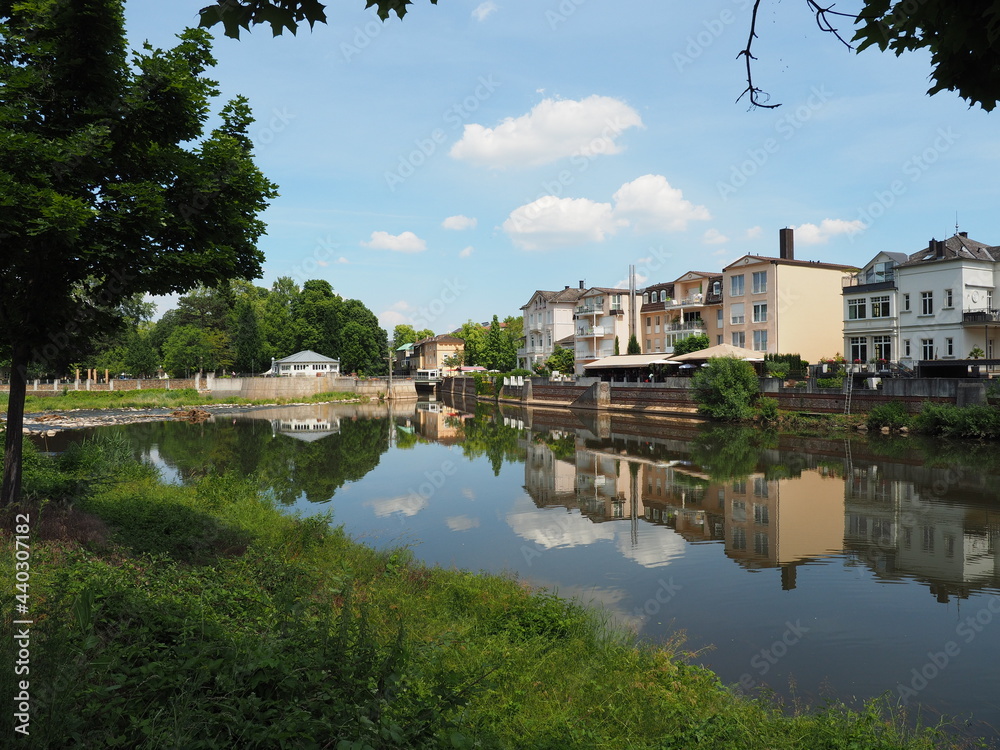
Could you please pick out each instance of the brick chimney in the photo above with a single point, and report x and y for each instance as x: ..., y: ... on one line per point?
x: 786, y: 243
x: 581, y: 283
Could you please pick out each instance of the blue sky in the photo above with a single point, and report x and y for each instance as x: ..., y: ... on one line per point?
x: 443, y: 167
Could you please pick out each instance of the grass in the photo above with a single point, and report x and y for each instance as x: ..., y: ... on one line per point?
x: 157, y: 399
x: 201, y: 616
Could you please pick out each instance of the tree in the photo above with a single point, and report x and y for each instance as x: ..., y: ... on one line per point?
x: 561, y: 360
x: 633, y: 345
x: 475, y: 343
x: 141, y: 359
x: 499, y: 352
x: 618, y: 349
x: 726, y: 389
x: 693, y: 343
x: 248, y: 342
x: 962, y: 38
x: 110, y: 186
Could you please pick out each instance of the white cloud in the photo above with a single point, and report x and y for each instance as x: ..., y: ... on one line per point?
x: 552, y: 130
x: 754, y: 232
x: 407, y: 505
x: 640, y: 279
x: 342, y: 259
x: 466, y: 252
x: 459, y: 222
x: 397, y: 314
x: 484, y: 10
x: 810, y: 234
x: 461, y: 523
x: 714, y: 237
x: 551, y: 221
x: 407, y: 242
x: 650, y: 204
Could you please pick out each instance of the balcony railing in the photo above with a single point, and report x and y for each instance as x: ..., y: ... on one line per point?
x: 973, y: 317
x: 589, y: 310
x: 694, y: 299
x: 885, y: 280
x: 593, y: 331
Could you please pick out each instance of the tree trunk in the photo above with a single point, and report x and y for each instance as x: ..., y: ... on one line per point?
x: 10, y: 493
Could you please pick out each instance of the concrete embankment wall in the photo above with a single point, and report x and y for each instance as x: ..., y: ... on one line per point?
x: 674, y: 396
x: 56, y: 387
x: 285, y: 388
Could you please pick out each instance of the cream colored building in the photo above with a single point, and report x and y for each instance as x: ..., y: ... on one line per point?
x: 783, y: 305
x: 674, y: 310
x: 430, y: 354
x: 601, y: 315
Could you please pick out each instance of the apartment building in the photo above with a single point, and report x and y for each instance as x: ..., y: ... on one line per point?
x: 548, y: 317
x: 784, y: 305
x: 601, y: 315
x: 432, y: 353
x: 871, y: 304
x: 674, y: 310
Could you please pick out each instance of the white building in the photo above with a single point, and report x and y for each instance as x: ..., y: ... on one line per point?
x: 871, y: 305
x: 303, y: 364
x: 547, y: 318
x: 934, y: 307
x: 602, y: 315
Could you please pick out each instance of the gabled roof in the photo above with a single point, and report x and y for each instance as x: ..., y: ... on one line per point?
x: 747, y: 259
x: 441, y: 338
x: 693, y: 275
x: 305, y: 356
x: 957, y: 246
x: 569, y: 294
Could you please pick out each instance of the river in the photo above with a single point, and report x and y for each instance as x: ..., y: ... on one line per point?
x: 816, y: 568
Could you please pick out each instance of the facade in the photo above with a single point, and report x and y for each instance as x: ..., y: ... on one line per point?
x: 947, y: 301
x: 936, y: 305
x: 303, y: 364
x: 600, y: 315
x: 431, y: 353
x: 871, y: 305
x: 672, y: 311
x: 547, y: 318
x: 783, y: 305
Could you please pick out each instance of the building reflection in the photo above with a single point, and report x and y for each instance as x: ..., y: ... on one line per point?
x: 893, y: 517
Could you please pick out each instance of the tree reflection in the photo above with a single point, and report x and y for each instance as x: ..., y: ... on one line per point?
x: 730, y: 452
x: 284, y: 465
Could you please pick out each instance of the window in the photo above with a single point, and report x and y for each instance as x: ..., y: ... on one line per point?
x: 927, y: 348
x: 645, y: 298
x: 883, y: 347
x: 880, y: 307
x: 649, y: 324
x: 717, y: 288
x: 927, y: 303
x: 859, y: 349
x: 989, y: 300
x: 949, y: 347
x: 718, y: 317
x: 948, y: 299
x: 739, y: 538
x: 759, y: 282
x: 760, y: 341
x: 906, y: 347
x: 760, y: 514
x: 760, y: 490
x: 718, y: 339
x: 736, y: 314
x: 857, y: 309
x: 760, y: 543
x: 740, y: 509
x: 647, y: 345
x: 656, y: 325
x: 736, y: 286
x: 906, y: 302
x: 760, y: 312
x: 739, y: 338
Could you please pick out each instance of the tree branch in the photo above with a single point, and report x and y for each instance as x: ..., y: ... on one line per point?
x: 752, y: 90
x: 824, y: 22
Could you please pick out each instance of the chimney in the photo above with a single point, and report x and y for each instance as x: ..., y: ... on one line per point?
x: 964, y: 234
x: 786, y: 243
x: 937, y: 248
x: 581, y: 283
x: 566, y: 287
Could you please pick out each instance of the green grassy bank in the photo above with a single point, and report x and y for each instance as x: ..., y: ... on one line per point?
x: 156, y: 399
x: 204, y: 617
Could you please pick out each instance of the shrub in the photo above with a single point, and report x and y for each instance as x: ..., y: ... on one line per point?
x: 767, y: 409
x: 892, y: 415
x: 953, y: 421
x: 777, y: 369
x: 829, y: 382
x: 726, y: 389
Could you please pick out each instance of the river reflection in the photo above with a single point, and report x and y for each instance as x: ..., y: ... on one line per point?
x: 849, y: 568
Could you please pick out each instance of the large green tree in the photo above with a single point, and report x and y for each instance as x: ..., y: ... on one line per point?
x: 963, y: 38
x: 109, y: 185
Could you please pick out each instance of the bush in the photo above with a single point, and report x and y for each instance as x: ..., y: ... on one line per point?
x: 892, y: 415
x: 829, y: 382
x: 726, y: 389
x: 767, y: 409
x: 953, y: 421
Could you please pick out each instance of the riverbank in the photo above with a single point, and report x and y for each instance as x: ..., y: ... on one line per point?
x: 75, y: 410
x: 202, y: 616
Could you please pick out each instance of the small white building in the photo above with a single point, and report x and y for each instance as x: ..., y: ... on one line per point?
x: 303, y: 364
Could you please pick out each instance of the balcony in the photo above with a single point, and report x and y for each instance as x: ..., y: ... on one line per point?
x: 589, y: 310
x: 593, y: 331
x: 694, y: 299
x: 879, y: 282
x: 981, y: 317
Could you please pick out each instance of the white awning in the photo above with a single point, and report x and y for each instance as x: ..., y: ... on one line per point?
x: 629, y: 360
